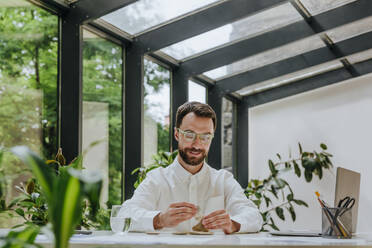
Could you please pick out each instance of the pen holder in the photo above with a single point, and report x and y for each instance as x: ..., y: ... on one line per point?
x: 336, y: 223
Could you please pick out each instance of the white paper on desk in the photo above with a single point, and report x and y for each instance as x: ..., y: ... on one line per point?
x: 213, y: 204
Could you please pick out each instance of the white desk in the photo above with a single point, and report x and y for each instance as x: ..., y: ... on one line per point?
x: 167, y: 240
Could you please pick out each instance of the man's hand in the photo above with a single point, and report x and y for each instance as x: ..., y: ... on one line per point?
x: 176, y: 213
x: 220, y: 220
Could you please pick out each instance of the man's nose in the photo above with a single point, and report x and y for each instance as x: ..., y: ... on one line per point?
x: 197, y: 141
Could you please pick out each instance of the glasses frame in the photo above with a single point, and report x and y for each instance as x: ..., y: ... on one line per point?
x: 196, y: 135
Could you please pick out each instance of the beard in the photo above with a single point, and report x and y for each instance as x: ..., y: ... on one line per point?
x: 192, y: 160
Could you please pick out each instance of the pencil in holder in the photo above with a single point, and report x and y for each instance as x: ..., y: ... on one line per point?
x: 336, y: 223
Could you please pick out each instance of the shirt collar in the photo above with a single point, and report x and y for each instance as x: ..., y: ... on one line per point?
x: 184, y: 176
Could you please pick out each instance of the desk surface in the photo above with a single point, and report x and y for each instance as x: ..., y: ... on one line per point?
x: 108, y: 239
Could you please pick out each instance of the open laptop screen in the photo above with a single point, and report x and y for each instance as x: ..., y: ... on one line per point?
x: 348, y: 184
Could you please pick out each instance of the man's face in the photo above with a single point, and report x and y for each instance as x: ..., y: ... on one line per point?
x: 194, y: 152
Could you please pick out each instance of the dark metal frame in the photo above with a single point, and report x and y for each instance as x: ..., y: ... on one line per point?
x: 85, y: 11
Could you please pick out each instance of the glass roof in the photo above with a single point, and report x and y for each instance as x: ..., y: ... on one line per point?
x: 197, y: 92
x: 145, y: 14
x: 351, y: 30
x: 267, y: 57
x: 292, y: 77
x: 360, y: 57
x: 250, y: 26
x: 319, y: 6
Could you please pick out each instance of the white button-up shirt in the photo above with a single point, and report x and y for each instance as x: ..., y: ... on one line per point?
x: 210, y: 189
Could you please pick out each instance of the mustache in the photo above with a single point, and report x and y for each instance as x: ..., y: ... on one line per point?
x: 194, y: 150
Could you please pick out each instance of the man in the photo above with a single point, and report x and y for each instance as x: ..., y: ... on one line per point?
x: 169, y: 198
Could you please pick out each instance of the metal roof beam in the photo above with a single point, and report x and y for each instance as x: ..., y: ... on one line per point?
x: 304, y: 85
x: 202, y: 21
x: 300, y: 62
x: 88, y: 10
x: 299, y: 30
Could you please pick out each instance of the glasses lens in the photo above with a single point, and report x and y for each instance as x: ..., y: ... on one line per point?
x: 190, y: 136
x: 205, y: 138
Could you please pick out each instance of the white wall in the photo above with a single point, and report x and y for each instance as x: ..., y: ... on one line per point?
x: 340, y: 116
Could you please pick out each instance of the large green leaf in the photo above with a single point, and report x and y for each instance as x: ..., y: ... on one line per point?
x: 91, y: 185
x: 65, y: 207
x: 44, y: 174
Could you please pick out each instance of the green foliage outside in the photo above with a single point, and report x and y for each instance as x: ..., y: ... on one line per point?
x: 28, y: 90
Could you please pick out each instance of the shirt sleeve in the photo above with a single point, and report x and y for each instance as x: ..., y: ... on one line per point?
x: 141, y: 208
x: 240, y: 208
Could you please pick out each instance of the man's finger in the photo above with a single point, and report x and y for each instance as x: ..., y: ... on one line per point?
x: 174, y: 211
x: 182, y: 204
x: 215, y: 218
x: 218, y: 224
x: 218, y: 212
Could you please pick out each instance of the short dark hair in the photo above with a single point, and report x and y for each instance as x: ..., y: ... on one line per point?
x: 199, y: 109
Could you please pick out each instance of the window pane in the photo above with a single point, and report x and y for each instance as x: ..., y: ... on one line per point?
x: 28, y: 87
x: 102, y: 113
x: 319, y: 6
x: 197, y: 92
x: 145, y: 14
x: 267, y: 57
x: 350, y: 30
x: 157, y: 110
x: 291, y: 77
x: 253, y: 25
x: 227, y: 134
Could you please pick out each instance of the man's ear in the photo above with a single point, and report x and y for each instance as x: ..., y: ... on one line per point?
x: 176, y: 134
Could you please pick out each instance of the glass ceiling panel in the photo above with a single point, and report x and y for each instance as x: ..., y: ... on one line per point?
x: 319, y: 6
x: 267, y: 57
x: 292, y: 77
x: 250, y: 26
x: 360, y: 57
x: 144, y: 14
x: 351, y: 30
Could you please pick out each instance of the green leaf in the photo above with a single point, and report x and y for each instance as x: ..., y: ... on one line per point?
x: 300, y: 147
x: 320, y: 172
x: 300, y: 202
x: 20, y: 212
x: 135, y: 170
x: 308, y: 175
x: 273, y: 190
x: 279, y: 211
x: 290, y: 197
x: 287, y: 165
x: 272, y: 167
x: 24, y: 238
x: 44, y: 174
x: 65, y: 211
x: 292, y: 213
x: 272, y: 224
x: 278, y: 156
x: 297, y: 169
x: 267, y: 201
x: 323, y: 146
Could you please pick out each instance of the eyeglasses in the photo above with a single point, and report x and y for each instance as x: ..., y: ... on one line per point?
x: 190, y: 136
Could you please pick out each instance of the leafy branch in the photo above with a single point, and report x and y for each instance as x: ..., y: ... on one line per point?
x: 261, y: 192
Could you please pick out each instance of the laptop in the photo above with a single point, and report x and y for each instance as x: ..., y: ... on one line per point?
x: 347, y: 184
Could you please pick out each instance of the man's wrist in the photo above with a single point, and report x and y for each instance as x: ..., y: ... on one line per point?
x: 157, y: 222
x: 235, y: 226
